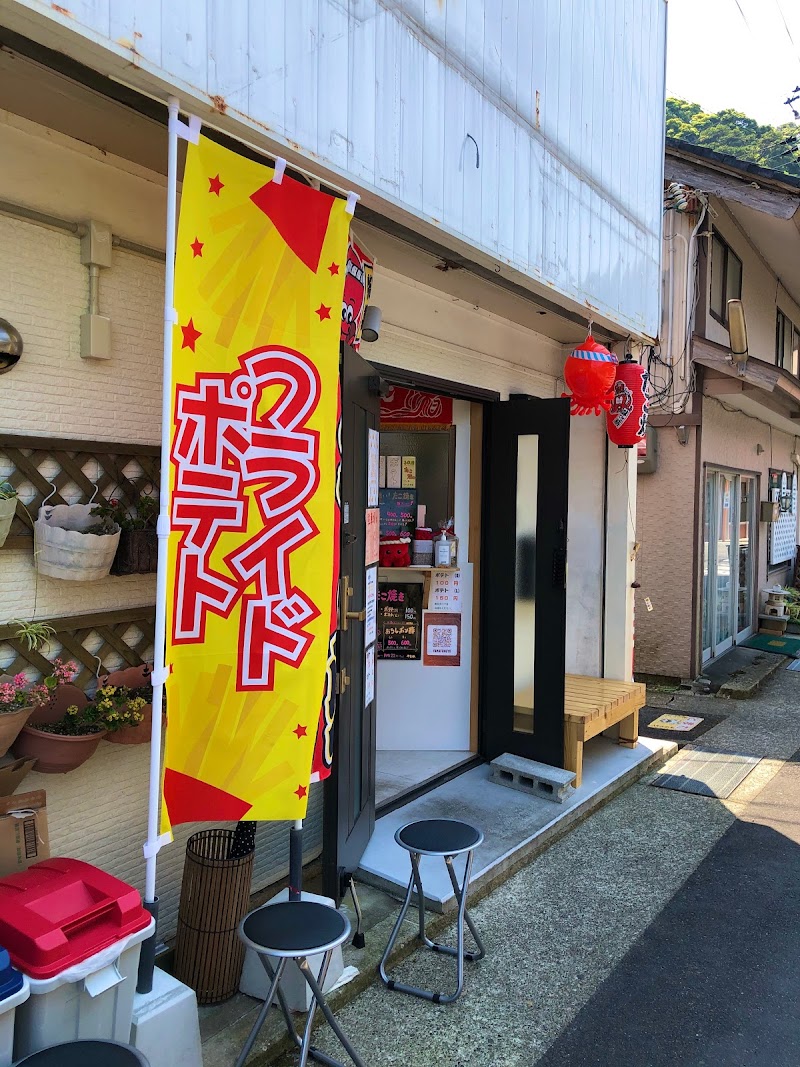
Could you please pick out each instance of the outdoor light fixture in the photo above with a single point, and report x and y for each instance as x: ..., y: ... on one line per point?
x: 371, y: 324
x: 10, y: 346
x: 737, y: 331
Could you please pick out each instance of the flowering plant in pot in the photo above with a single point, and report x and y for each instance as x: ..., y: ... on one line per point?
x: 67, y: 743
x: 70, y: 542
x: 137, y: 681
x: 8, y: 509
x: 18, y: 699
x: 137, y: 552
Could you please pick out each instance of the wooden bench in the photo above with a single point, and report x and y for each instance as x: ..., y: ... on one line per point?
x: 591, y: 705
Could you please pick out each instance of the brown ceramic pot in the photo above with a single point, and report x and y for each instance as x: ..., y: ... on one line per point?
x: 56, y: 754
x: 11, y: 722
x: 62, y: 697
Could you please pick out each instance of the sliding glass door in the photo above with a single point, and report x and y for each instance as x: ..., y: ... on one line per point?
x: 728, y: 560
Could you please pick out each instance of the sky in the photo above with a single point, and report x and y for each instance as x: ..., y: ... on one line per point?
x: 735, y: 53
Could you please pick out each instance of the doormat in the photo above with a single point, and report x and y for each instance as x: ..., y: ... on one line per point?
x: 679, y: 733
x: 706, y: 774
x: 781, y: 645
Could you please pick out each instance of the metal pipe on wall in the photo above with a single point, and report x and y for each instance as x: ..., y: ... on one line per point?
x: 77, y: 229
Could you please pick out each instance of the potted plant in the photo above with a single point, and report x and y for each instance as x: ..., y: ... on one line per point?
x: 18, y: 698
x: 67, y: 743
x: 137, y: 681
x: 8, y: 509
x: 71, y: 542
x: 137, y: 552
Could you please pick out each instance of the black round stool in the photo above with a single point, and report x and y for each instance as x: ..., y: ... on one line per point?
x: 86, y: 1054
x: 446, y: 838
x: 295, y: 930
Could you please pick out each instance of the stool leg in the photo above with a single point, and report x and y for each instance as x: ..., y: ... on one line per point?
x: 305, y: 1044
x: 262, y: 1015
x: 287, y: 1015
x: 420, y: 898
x: 387, y: 981
x: 461, y: 891
x: 319, y: 998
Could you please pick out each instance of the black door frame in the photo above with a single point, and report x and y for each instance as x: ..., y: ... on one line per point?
x: 496, y: 734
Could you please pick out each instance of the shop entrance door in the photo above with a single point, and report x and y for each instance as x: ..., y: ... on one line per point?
x: 525, y: 549
x: 349, y: 816
x: 728, y: 560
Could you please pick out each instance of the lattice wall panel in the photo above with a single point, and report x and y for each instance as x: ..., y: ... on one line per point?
x: 98, y: 643
x: 72, y: 472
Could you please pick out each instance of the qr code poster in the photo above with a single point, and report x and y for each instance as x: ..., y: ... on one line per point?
x: 441, y: 639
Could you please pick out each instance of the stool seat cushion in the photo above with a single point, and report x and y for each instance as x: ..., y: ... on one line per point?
x: 439, y: 837
x: 86, y: 1054
x: 295, y: 928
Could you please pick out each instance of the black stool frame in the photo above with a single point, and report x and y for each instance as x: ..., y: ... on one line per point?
x: 315, y: 984
x: 415, y: 882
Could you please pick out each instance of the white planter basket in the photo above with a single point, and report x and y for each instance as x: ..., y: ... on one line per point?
x: 7, y: 509
x: 62, y: 551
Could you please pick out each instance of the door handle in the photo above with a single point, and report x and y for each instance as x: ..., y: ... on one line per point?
x: 345, y: 592
x: 342, y: 681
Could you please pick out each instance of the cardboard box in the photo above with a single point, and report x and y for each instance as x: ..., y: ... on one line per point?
x: 12, y: 771
x: 24, y: 839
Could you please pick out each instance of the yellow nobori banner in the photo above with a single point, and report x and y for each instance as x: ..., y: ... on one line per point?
x: 253, y: 548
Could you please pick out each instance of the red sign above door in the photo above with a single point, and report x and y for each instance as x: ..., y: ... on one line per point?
x: 410, y: 406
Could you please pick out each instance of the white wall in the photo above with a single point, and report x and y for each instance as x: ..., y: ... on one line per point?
x: 506, y: 127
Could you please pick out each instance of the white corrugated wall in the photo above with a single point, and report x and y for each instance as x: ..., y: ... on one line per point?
x: 532, y: 132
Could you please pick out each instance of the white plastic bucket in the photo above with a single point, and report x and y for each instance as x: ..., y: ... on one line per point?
x: 93, y: 999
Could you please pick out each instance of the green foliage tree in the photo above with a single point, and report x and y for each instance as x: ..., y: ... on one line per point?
x: 734, y: 134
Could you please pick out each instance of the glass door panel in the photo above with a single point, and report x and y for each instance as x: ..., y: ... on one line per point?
x: 744, y: 615
x: 709, y: 524
x: 728, y: 560
x: 724, y: 624
x: 525, y: 581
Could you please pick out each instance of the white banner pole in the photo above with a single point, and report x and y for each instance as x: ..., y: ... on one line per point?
x: 159, y: 675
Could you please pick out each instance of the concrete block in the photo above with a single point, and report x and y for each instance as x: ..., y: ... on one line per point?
x: 255, y: 982
x: 538, y: 779
x: 166, y: 1028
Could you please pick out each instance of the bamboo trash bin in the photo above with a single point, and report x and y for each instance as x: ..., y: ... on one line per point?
x: 215, y: 897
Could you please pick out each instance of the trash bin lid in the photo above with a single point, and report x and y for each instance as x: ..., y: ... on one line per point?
x: 10, y: 979
x: 61, y: 911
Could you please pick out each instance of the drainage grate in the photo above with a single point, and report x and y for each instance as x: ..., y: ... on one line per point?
x: 706, y: 774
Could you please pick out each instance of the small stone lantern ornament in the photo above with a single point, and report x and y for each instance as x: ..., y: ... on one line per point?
x: 589, y: 372
x: 626, y: 419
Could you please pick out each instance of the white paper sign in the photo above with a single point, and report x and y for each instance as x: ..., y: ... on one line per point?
x: 371, y: 606
x: 373, y: 467
x: 442, y: 641
x: 369, y: 676
x: 445, y: 591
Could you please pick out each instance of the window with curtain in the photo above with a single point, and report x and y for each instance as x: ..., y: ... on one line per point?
x: 726, y: 278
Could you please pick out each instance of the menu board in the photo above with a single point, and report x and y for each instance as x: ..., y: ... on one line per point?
x: 399, y: 620
x: 398, y: 509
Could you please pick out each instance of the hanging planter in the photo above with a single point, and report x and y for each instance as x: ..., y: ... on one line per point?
x: 8, y: 508
x: 589, y: 372
x: 626, y: 419
x: 57, y: 753
x: 16, y: 706
x: 137, y: 680
x: 70, y: 542
x: 137, y: 553
x: 63, y: 744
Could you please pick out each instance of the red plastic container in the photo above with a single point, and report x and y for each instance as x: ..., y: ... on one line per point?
x: 61, y: 911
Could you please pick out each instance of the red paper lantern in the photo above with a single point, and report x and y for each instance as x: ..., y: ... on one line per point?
x: 589, y: 372
x: 627, y: 417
